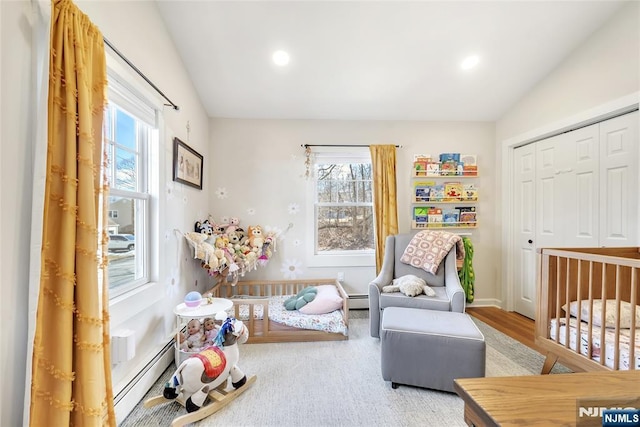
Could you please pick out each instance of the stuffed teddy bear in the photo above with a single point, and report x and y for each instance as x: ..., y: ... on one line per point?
x: 409, y: 285
x: 301, y: 299
x: 233, y: 225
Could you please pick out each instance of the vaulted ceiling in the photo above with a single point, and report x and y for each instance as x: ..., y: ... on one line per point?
x: 374, y: 60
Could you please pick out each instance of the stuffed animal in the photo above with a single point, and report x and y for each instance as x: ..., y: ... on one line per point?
x: 233, y: 225
x: 256, y: 241
x: 206, y: 370
x: 203, y: 250
x: 204, y: 227
x: 409, y: 285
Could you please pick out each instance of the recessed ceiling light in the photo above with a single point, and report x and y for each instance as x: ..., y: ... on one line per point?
x: 281, y: 58
x: 470, y: 62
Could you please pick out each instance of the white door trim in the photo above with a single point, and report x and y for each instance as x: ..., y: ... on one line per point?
x: 602, y: 112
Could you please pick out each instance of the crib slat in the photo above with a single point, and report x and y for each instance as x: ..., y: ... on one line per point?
x: 603, y: 296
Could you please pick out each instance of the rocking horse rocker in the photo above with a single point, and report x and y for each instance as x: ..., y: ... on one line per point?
x: 205, y: 375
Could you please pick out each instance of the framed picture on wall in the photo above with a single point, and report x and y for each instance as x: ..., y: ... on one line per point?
x: 187, y: 164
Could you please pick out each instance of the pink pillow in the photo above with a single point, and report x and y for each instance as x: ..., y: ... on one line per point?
x: 327, y: 300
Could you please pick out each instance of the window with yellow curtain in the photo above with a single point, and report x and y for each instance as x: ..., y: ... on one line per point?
x: 342, y: 200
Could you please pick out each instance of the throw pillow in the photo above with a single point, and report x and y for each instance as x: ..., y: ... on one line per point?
x: 427, y: 249
x: 301, y: 299
x: 327, y: 300
x: 610, y: 313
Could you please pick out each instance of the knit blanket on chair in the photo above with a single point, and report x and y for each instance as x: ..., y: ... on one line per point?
x: 428, y: 248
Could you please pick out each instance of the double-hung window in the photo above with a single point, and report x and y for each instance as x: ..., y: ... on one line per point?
x: 130, y: 131
x: 343, y: 226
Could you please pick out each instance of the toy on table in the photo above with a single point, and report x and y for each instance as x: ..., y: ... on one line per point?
x: 192, y: 338
x: 210, y: 332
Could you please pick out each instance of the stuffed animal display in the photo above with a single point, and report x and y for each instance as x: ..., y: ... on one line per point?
x: 410, y: 285
x: 227, y: 250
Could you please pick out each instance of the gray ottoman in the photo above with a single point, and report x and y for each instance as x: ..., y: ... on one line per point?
x: 427, y: 348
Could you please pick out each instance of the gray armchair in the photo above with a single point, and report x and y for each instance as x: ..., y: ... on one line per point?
x: 449, y: 293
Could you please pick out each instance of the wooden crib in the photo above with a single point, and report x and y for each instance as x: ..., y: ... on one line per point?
x: 579, y: 290
x: 252, y: 301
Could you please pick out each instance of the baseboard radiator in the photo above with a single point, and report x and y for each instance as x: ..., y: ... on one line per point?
x: 135, y: 390
x: 358, y: 301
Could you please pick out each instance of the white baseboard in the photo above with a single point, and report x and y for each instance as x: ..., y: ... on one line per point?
x: 485, y: 302
x: 125, y: 403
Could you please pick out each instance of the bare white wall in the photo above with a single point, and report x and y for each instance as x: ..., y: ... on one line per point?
x: 136, y: 28
x: 260, y: 164
x: 603, y: 68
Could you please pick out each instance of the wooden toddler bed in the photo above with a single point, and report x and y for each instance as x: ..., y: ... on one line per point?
x: 588, y: 314
x: 260, y: 305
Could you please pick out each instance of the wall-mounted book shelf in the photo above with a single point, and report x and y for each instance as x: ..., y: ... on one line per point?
x: 443, y: 192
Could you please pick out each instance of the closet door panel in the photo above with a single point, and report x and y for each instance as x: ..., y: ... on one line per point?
x: 551, y: 158
x: 580, y: 194
x: 524, y: 286
x: 619, y: 181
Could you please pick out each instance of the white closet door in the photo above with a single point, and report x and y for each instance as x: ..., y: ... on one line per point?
x: 580, y: 189
x: 524, y: 286
x: 619, y: 181
x: 552, y: 158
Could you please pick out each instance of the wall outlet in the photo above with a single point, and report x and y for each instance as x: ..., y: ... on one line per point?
x: 341, y: 276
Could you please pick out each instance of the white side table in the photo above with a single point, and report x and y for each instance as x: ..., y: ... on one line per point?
x: 209, y: 307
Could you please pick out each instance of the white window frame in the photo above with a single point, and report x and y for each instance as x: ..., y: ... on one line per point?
x: 362, y: 258
x: 124, y: 91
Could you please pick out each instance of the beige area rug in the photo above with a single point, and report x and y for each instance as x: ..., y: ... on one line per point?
x: 339, y: 384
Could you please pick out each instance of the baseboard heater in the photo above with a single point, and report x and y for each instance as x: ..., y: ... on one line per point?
x: 358, y: 301
x: 127, y: 398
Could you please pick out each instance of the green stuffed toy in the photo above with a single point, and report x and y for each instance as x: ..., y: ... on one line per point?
x: 301, y: 299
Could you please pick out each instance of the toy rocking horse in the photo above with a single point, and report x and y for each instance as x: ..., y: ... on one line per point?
x: 205, y: 375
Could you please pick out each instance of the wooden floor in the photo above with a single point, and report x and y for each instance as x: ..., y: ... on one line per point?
x: 510, y: 323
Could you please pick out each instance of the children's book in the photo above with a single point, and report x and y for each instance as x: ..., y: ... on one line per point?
x: 420, y: 168
x: 452, y: 191
x: 420, y: 214
x: 468, y: 159
x: 437, y: 193
x: 422, y: 191
x: 448, y: 168
x: 450, y: 217
x: 435, y: 216
x: 445, y: 157
x: 433, y: 169
x: 469, y: 192
x: 467, y: 215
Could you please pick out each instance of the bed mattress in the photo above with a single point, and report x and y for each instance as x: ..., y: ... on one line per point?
x: 596, y: 347
x: 332, y: 322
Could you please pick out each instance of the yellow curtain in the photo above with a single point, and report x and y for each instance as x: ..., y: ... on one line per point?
x: 385, y: 203
x: 71, y: 373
